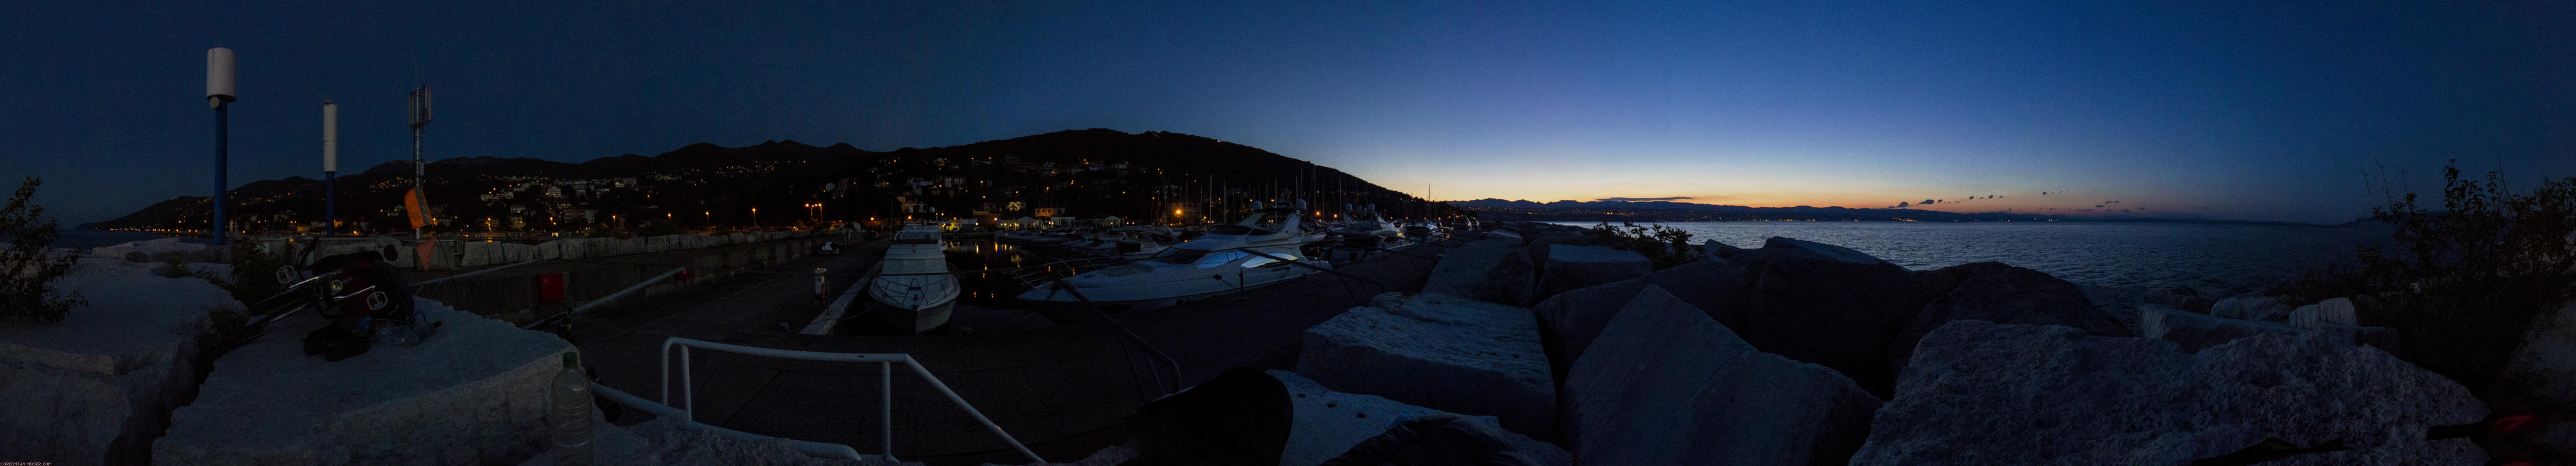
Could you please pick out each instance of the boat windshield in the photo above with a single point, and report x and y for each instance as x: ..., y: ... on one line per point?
x: 1267, y: 222
x: 1179, y: 256
x: 916, y: 237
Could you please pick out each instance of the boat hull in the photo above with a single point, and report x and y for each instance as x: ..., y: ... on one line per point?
x: 1175, y: 291
x: 916, y: 320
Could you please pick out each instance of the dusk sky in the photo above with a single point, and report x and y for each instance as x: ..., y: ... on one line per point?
x: 2230, y: 110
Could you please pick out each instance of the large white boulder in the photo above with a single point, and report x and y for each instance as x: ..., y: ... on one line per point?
x: 1569, y: 321
x: 1825, y: 304
x: 1438, y: 351
x: 2251, y: 306
x: 475, y: 392
x: 1570, y: 266
x: 1984, y: 393
x: 1328, y: 423
x: 1493, y: 270
x: 96, y: 387
x: 1999, y: 293
x: 1667, y: 385
x: 2195, y: 331
x: 2331, y: 312
x: 2541, y: 379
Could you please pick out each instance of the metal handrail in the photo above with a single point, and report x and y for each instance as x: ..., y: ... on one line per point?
x: 688, y: 393
x: 567, y: 314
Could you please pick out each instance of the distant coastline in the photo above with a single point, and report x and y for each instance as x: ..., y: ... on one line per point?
x: 1669, y: 212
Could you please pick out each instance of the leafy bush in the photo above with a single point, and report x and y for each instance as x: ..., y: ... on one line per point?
x: 255, y: 272
x: 2465, y: 281
x: 1666, y: 246
x: 26, y: 274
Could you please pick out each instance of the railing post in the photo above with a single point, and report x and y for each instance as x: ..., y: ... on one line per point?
x: 885, y: 394
x: 688, y: 393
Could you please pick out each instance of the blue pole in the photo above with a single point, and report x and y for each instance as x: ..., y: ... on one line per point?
x: 330, y: 203
x: 223, y: 130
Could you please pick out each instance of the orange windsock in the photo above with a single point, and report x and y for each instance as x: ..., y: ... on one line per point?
x: 418, y: 207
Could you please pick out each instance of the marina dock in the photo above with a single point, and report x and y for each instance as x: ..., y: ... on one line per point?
x: 1064, y: 390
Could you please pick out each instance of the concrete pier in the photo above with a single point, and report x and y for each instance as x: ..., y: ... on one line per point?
x: 1064, y: 390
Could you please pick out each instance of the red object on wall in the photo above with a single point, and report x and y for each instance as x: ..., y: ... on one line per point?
x: 550, y: 288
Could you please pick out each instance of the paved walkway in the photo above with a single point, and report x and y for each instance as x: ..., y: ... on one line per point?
x: 1065, y: 390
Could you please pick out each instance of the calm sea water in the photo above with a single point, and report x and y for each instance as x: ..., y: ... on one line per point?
x: 85, y: 239
x: 2217, y: 259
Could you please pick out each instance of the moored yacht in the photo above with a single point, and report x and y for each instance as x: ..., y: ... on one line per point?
x: 913, y: 289
x: 1367, y: 228
x: 1263, y: 249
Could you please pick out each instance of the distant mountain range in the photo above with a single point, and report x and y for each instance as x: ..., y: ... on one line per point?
x: 1089, y: 173
x: 1669, y: 211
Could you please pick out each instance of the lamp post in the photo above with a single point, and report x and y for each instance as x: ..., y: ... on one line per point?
x: 219, y: 94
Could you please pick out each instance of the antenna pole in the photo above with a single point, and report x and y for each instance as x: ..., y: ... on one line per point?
x: 419, y: 169
x: 223, y: 144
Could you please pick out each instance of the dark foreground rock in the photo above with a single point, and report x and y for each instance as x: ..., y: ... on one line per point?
x: 1671, y: 386
x: 1330, y: 423
x: 1570, y: 267
x: 1240, y: 418
x: 1825, y: 304
x: 1568, y: 322
x: 1441, y: 439
x: 1441, y: 352
x: 1493, y: 270
x: 2004, y: 294
x: 1983, y: 393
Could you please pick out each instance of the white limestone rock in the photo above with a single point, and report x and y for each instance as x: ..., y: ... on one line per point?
x: 1569, y: 321
x: 1667, y: 385
x: 475, y: 392
x: 2251, y: 306
x: 1492, y: 270
x: 1983, y: 393
x: 1570, y: 267
x: 2541, y: 379
x: 2196, y: 331
x: 1438, y: 351
x: 2331, y: 312
x: 1328, y: 423
x: 96, y: 387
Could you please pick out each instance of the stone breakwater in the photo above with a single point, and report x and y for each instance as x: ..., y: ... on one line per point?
x: 1798, y: 353
x: 1552, y: 350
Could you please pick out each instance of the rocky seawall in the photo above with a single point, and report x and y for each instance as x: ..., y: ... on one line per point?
x: 1802, y: 353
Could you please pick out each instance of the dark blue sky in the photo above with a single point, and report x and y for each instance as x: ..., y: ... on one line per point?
x: 2249, y: 110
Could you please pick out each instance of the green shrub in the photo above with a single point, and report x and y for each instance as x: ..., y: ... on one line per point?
x: 26, y: 275
x: 2464, y: 282
x: 255, y: 272
x: 1665, y: 246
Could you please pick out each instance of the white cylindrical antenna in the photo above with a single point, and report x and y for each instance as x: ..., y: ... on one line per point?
x: 219, y: 76
x: 330, y: 137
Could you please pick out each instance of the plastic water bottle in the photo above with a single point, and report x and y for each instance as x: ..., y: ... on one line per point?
x: 570, y: 413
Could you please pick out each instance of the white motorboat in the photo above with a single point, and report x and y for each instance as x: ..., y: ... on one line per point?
x: 913, y: 289
x: 1368, y: 228
x: 1261, y: 250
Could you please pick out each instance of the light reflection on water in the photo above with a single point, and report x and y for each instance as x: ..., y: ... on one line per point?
x: 2217, y: 259
x: 977, y: 255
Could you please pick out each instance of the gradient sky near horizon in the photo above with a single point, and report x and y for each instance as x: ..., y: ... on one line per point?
x: 2297, y: 111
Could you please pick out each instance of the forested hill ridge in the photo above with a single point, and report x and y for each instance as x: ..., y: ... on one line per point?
x: 1087, y: 174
